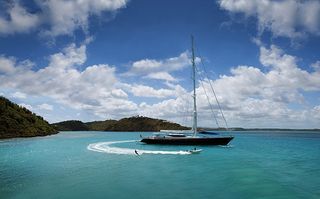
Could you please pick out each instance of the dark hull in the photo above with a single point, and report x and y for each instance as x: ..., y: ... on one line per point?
x: 187, y: 140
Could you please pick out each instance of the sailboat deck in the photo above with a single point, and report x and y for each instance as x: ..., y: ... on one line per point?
x: 188, y: 140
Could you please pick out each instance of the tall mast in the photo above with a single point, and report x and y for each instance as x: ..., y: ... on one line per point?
x: 194, y: 126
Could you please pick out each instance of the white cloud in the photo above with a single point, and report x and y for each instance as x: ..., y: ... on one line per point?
x: 282, y: 82
x: 285, y: 71
x: 7, y: 65
x: 159, y: 69
x: 250, y: 93
x: 174, y: 109
x: 286, y: 18
x: 29, y: 107
x: 61, y: 16
x: 69, y: 57
x: 89, y: 89
x: 46, y: 107
x: 119, y: 93
x: 316, y: 112
x: 316, y: 65
x: 138, y: 90
x: 19, y: 95
x: 96, y: 89
x: 19, y: 20
x: 161, y: 76
x: 147, y: 91
x: 67, y: 16
x: 249, y: 96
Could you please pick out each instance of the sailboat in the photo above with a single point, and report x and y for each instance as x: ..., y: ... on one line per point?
x: 194, y: 138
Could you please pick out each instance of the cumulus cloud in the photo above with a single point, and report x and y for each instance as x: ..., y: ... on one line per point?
x: 159, y: 69
x: 255, y: 93
x: 285, y: 71
x: 148, y: 91
x: 61, y: 16
x: 176, y: 108
x: 26, y: 106
x: 249, y: 96
x: 18, y: 20
x: 19, y: 95
x: 282, y: 83
x: 316, y: 65
x: 67, y: 16
x: 46, y: 107
x: 161, y: 76
x: 7, y: 65
x: 252, y: 97
x: 95, y: 89
x: 316, y: 112
x: 90, y: 89
x: 286, y: 18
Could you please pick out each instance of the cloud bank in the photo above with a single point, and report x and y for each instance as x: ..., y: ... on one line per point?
x: 287, y: 18
x: 159, y: 69
x: 55, y: 17
x: 250, y: 96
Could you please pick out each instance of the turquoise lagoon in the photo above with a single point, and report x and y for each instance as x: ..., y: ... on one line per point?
x: 255, y: 165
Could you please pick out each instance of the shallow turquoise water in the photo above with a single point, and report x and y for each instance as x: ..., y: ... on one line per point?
x: 257, y: 165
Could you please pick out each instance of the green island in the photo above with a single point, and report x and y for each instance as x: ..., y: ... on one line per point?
x: 18, y: 121
x: 137, y: 123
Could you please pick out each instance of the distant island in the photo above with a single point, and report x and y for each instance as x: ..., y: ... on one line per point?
x: 140, y: 123
x: 137, y: 123
x: 17, y: 121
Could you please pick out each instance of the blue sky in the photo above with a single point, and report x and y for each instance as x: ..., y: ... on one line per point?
x: 97, y: 60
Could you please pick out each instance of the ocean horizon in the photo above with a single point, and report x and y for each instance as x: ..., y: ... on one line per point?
x: 103, y: 165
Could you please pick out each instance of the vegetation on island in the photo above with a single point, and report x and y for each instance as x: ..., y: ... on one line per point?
x: 140, y: 123
x: 18, y: 121
x: 137, y: 123
x: 100, y: 125
x: 71, y: 125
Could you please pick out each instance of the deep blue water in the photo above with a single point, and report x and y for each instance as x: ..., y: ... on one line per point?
x: 256, y: 165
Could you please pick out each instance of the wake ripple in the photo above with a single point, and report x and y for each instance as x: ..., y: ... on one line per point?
x: 105, y: 147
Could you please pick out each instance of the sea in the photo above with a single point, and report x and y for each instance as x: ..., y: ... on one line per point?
x: 115, y: 165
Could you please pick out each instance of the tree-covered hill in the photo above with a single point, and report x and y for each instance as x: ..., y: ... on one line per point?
x: 125, y: 124
x: 144, y: 124
x: 100, y: 125
x: 71, y: 125
x: 17, y: 121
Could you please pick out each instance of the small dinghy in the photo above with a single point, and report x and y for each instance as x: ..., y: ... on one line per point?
x: 195, y: 151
